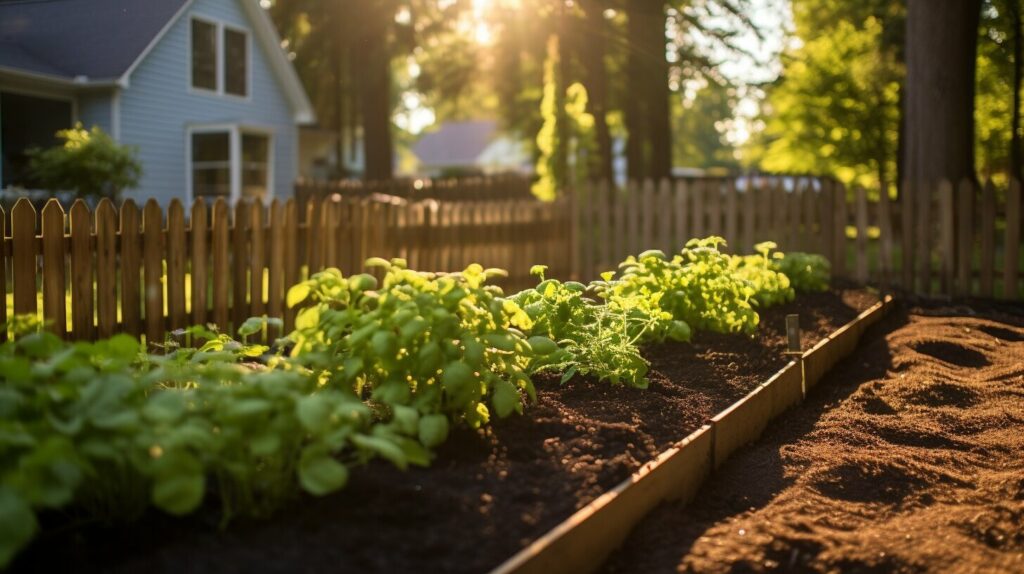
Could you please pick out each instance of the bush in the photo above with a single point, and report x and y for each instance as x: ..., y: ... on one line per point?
x: 89, y: 163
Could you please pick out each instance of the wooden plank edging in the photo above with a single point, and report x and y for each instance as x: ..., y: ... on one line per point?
x: 582, y: 542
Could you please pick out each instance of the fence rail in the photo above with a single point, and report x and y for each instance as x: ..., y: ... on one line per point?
x: 148, y: 271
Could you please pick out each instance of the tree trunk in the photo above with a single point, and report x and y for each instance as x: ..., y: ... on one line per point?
x: 594, y: 38
x: 1018, y: 48
x: 375, y: 92
x: 939, y: 106
x: 649, y: 149
x: 636, y: 108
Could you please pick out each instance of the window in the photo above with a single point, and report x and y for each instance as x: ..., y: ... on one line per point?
x: 255, y: 165
x: 220, y: 58
x: 236, y: 58
x: 232, y: 162
x: 204, y: 55
x: 211, y: 164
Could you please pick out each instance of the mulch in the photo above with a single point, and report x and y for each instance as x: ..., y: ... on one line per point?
x: 909, y: 457
x: 488, y: 494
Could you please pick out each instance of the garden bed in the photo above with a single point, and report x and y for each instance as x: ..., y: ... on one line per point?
x: 906, y: 458
x: 489, y: 493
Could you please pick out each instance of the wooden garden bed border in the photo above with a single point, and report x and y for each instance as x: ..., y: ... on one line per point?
x: 581, y: 543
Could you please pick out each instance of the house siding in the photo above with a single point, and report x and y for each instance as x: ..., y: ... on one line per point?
x: 158, y: 107
x: 94, y: 109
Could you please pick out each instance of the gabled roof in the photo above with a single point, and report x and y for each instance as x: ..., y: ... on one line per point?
x: 456, y: 143
x: 94, y: 39
x: 101, y: 42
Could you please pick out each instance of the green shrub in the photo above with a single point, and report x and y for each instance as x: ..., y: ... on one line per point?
x: 807, y: 272
x: 89, y: 162
x: 770, y: 286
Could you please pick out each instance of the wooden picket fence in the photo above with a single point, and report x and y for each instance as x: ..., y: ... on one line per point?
x: 946, y: 241
x: 148, y: 273
x: 92, y: 273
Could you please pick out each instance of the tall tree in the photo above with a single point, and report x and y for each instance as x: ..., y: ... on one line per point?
x: 941, y: 46
x: 649, y: 147
x: 594, y: 34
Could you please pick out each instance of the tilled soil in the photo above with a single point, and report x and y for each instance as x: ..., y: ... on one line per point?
x: 909, y: 457
x: 488, y: 493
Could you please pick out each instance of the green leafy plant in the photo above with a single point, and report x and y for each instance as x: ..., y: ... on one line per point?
x: 432, y: 349
x: 108, y: 429
x: 807, y: 272
x: 594, y: 338
x: 88, y: 162
x: 771, y: 287
x: 696, y: 287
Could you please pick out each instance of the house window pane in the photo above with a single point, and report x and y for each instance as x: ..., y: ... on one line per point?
x: 255, y: 165
x: 211, y: 164
x: 204, y: 55
x: 236, y: 63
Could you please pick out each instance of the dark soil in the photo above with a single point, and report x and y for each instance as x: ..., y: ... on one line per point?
x: 488, y: 493
x: 907, y: 458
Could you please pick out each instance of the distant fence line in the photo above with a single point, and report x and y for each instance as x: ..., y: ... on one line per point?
x: 148, y: 271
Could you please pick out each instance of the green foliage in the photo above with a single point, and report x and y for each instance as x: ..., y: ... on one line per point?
x: 551, y: 166
x: 835, y: 109
x: 807, y: 272
x: 422, y: 344
x: 771, y: 287
x: 88, y: 162
x: 376, y: 370
x: 108, y: 429
x: 697, y: 287
x: 594, y: 339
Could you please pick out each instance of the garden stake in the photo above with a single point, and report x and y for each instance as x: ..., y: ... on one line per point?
x: 793, y: 334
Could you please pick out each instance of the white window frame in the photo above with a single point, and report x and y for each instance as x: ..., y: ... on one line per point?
x: 234, y: 132
x: 220, y: 26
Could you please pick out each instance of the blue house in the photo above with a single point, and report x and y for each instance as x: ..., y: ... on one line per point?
x: 202, y: 88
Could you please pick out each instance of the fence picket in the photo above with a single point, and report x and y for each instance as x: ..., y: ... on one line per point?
x: 54, y: 302
x: 749, y: 221
x: 947, y: 239
x: 862, y: 235
x: 221, y: 260
x: 3, y: 274
x: 682, y: 217
x: 199, y: 236
x: 24, y: 263
x: 988, y: 238
x: 698, y: 194
x: 275, y: 268
x: 240, y: 264
x: 152, y: 272
x: 292, y: 273
x: 131, y: 268
x: 839, y: 231
x: 176, y: 260
x: 885, y: 238
x: 731, y: 217
x: 81, y: 272
x: 257, y: 259
x: 664, y: 210
x: 1011, y: 246
x: 965, y: 237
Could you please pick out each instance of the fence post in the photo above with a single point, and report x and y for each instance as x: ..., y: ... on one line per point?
x: 682, y: 217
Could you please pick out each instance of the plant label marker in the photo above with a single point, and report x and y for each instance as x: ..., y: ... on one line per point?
x: 793, y: 334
